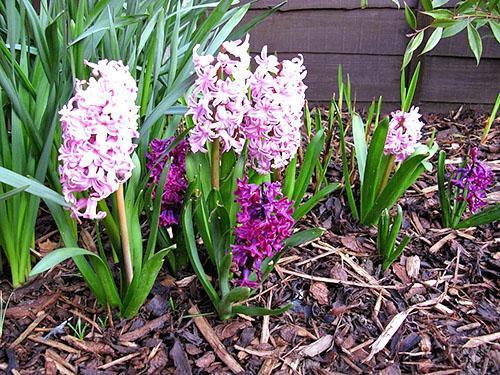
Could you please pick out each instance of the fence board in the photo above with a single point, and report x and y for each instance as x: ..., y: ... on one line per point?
x: 328, y: 4
x: 368, y: 31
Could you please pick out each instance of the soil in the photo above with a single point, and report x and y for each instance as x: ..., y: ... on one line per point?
x: 435, y: 311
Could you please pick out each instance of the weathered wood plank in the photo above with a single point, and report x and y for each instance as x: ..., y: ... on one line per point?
x: 328, y: 4
x: 368, y: 31
x: 459, y: 80
x: 371, y: 75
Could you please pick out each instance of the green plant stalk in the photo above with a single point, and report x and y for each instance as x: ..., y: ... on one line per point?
x: 122, y: 216
x: 215, y: 164
x: 490, y: 121
x: 387, y: 174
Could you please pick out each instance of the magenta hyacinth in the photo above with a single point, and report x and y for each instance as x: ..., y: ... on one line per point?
x: 176, y: 182
x: 98, y: 126
x: 264, y: 222
x: 405, y: 131
x: 474, y: 180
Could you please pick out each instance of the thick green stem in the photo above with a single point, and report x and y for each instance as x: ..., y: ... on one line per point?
x: 122, y: 216
x: 387, y: 174
x: 215, y: 156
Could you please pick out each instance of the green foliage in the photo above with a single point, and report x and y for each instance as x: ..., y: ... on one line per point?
x: 79, y: 329
x: 3, y: 311
x: 387, y: 232
x: 380, y: 182
x: 471, y: 15
x: 453, y: 204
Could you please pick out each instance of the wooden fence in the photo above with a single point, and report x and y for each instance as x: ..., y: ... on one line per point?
x: 370, y: 43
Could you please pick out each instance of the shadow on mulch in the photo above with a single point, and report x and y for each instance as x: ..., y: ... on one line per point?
x: 435, y: 311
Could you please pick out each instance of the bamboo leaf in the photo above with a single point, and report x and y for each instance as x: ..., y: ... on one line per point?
x: 475, y: 42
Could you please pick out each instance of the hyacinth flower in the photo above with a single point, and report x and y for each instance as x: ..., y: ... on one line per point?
x: 245, y: 126
x: 265, y: 221
x: 99, y: 124
x: 389, y: 153
x: 463, y: 189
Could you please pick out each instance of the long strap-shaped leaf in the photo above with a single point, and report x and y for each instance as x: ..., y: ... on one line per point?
x: 372, y: 169
x: 489, y: 215
x: 406, y: 175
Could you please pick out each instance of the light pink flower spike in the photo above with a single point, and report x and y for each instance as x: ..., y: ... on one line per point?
x: 98, y: 125
x: 405, y: 132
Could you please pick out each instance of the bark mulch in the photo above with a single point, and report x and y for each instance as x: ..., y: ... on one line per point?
x: 436, y: 311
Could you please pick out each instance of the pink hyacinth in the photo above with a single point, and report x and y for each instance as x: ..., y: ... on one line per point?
x: 272, y: 125
x: 98, y: 125
x: 404, y: 133
x: 219, y: 98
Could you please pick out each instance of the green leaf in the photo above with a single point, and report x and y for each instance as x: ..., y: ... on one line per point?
x: 309, y: 204
x: 307, y: 169
x: 438, y: 3
x: 410, y: 17
x: 440, y: 14
x: 358, y: 135
x: 454, y: 29
x: 404, y: 177
x: 142, y: 283
x: 12, y: 192
x: 495, y: 29
x: 475, y: 42
x: 406, y: 105
x: 372, y: 169
x: 34, y: 187
x: 414, y: 43
x: 444, y: 197
x: 187, y: 223
x: 260, y: 311
x: 304, y: 236
x: 58, y: 256
x: 433, y: 40
x: 488, y: 215
x: 427, y: 4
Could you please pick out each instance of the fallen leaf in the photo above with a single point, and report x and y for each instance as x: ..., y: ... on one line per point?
x: 320, y: 292
x: 317, y: 347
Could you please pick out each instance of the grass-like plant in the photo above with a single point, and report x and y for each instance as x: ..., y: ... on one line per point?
x: 3, y: 311
x: 387, y: 233
x: 465, y: 188
x: 388, y: 157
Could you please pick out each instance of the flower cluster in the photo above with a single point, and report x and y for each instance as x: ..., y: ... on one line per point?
x: 404, y: 133
x: 273, y: 123
x: 270, y: 119
x: 474, y: 179
x: 219, y: 98
x: 176, y: 182
x: 264, y: 222
x: 98, y: 125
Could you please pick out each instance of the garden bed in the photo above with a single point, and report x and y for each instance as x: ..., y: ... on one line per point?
x: 436, y: 308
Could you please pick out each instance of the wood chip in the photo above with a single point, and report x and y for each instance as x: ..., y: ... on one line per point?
x: 211, y: 337
x: 64, y: 365
x: 145, y: 329
x: 118, y: 361
x: 438, y: 245
x: 317, y: 347
x: 54, y: 344
x: 41, y: 316
x: 474, y: 342
x: 320, y: 292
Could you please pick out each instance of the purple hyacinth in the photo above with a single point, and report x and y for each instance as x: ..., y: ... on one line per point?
x: 264, y: 222
x: 475, y: 178
x: 176, y: 182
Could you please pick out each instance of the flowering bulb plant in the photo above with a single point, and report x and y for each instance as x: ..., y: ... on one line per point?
x: 246, y: 185
x: 389, y: 159
x: 463, y: 189
x: 97, y: 159
x: 387, y: 234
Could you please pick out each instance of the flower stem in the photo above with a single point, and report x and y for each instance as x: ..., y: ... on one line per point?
x: 215, y: 163
x: 122, y: 216
x: 387, y: 173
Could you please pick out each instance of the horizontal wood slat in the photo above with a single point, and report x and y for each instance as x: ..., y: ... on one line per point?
x: 328, y: 4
